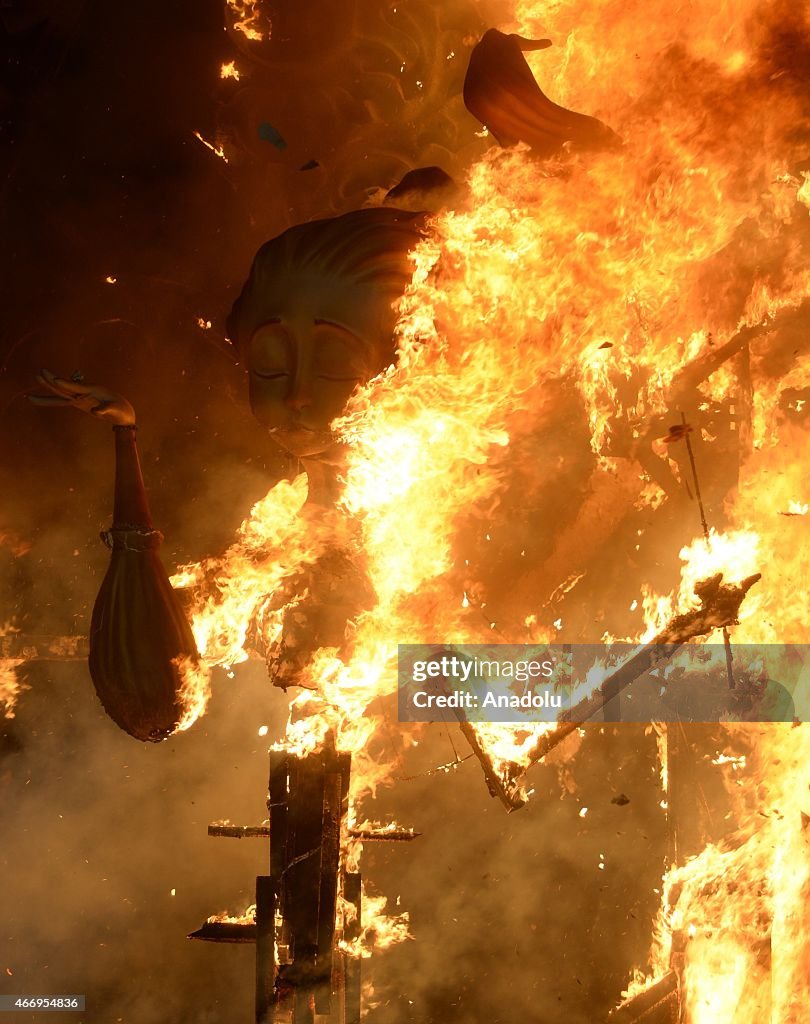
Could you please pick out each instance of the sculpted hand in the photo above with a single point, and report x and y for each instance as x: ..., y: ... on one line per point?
x: 92, y: 398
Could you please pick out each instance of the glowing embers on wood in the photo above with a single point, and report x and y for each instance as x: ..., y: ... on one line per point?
x: 658, y: 1004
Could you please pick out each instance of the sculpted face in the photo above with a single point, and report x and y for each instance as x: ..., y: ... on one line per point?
x: 325, y: 338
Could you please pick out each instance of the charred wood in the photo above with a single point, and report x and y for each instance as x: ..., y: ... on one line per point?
x: 225, y: 931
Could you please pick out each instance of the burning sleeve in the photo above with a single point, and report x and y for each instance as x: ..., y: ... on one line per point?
x: 139, y: 636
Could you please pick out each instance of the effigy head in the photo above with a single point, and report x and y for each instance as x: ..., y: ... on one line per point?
x: 315, y: 319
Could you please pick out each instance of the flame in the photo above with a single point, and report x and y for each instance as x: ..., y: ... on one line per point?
x: 247, y: 18
x: 232, y: 609
x: 379, y: 930
x: 735, y: 554
x: 231, y: 592
x: 194, y: 692
x: 614, y: 251
x: 248, y: 917
x: 611, y: 276
x: 230, y: 70
x: 739, y: 910
x: 10, y: 685
x: 216, y: 150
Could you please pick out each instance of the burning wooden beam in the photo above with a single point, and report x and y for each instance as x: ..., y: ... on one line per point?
x: 365, y: 835
x: 225, y: 931
x: 509, y: 795
x: 37, y: 647
x: 265, y: 946
x: 353, y: 894
x: 720, y: 606
x: 300, y: 969
x: 239, y: 831
x: 384, y: 835
x: 308, y: 799
x: 658, y: 1004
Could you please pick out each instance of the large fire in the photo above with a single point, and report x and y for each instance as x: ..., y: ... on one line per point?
x: 639, y: 281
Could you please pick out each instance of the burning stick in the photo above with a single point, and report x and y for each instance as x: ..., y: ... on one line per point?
x: 704, y: 366
x: 365, y: 835
x: 509, y: 795
x: 225, y: 931
x: 658, y: 1004
x: 384, y: 835
x: 43, y: 648
x: 675, y: 434
x: 720, y: 606
x: 239, y: 831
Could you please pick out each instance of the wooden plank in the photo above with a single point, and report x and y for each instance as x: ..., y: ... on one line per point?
x: 239, y: 831
x: 658, y: 1004
x: 277, y: 813
x: 225, y: 931
x: 301, y: 878
x: 353, y: 893
x: 384, y: 835
x: 265, y: 948
x: 327, y: 895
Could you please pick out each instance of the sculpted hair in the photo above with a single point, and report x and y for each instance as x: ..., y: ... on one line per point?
x: 362, y: 248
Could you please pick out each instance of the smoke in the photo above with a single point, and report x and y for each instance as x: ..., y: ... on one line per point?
x: 513, y: 917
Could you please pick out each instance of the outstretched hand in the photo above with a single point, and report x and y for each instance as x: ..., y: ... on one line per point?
x: 92, y: 398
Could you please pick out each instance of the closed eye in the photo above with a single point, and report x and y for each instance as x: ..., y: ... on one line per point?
x: 333, y: 377
x: 277, y: 375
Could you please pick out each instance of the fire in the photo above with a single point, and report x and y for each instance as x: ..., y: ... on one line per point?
x: 736, y: 554
x: 379, y: 930
x: 738, y: 911
x: 620, y: 277
x: 10, y: 685
x: 271, y: 545
x: 248, y: 917
x: 614, y: 251
x: 194, y: 692
x: 247, y: 18
x: 230, y: 70
x: 216, y: 150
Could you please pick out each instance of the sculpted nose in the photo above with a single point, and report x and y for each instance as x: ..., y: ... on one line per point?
x: 298, y: 399
x: 300, y: 394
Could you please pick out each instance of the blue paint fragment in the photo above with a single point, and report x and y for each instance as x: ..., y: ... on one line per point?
x: 267, y: 133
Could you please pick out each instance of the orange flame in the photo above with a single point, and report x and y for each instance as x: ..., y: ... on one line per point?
x: 248, y: 19
x: 606, y: 273
x: 10, y: 685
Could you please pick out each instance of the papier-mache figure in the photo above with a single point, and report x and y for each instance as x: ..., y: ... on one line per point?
x: 501, y: 91
x: 314, y: 320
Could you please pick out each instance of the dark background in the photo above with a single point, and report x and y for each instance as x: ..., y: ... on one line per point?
x: 512, y: 917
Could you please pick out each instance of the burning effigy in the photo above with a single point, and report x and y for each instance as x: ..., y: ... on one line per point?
x: 544, y: 388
